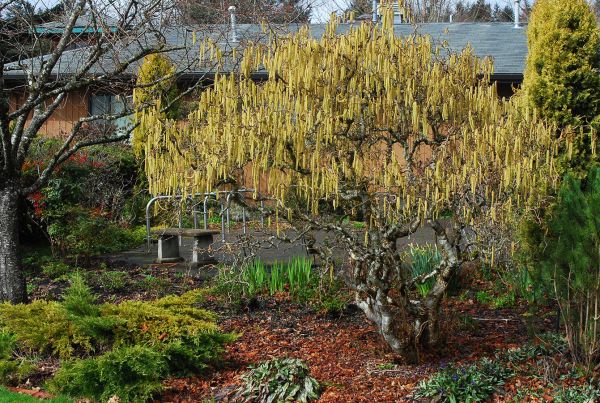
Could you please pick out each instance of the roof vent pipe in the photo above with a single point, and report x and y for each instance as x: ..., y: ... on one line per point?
x: 517, y: 12
x: 450, y: 19
x: 375, y: 11
x: 234, y: 37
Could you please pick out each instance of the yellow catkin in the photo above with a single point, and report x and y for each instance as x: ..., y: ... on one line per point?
x: 364, y: 102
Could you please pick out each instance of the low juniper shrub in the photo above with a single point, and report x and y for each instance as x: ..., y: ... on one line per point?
x: 142, y: 341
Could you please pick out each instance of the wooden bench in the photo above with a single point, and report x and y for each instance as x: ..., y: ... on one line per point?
x: 168, y: 245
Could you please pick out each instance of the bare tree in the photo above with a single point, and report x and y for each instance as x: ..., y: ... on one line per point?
x: 248, y: 11
x: 104, y: 54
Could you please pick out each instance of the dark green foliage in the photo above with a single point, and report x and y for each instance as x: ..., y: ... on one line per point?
x: 423, y: 261
x: 133, y: 374
x: 79, y: 233
x: 191, y: 354
x: 90, y: 205
x: 111, y: 280
x: 55, y: 269
x: 567, y: 259
x: 279, y: 380
x: 547, y: 345
x: 472, y: 383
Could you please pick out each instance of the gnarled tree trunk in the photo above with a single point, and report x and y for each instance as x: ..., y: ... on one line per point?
x: 12, y: 281
x: 385, y: 293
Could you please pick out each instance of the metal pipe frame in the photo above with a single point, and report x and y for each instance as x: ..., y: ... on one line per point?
x: 225, y: 212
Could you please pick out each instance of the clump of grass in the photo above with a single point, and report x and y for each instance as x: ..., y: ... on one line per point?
x: 297, y: 277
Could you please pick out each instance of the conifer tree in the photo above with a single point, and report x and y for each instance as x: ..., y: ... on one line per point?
x: 156, y: 87
x: 561, y: 78
x: 571, y: 262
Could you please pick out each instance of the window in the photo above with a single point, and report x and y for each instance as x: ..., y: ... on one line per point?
x: 109, y: 104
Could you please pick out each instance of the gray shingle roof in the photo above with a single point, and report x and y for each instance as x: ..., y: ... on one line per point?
x: 501, y: 41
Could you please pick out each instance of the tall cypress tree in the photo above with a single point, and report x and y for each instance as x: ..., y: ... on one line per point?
x: 561, y: 78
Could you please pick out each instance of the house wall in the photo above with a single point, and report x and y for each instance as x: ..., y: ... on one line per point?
x: 60, y: 123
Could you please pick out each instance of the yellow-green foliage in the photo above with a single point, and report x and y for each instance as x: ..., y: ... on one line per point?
x: 62, y: 329
x: 44, y: 326
x: 162, y: 321
x: 562, y: 77
x: 363, y: 103
x: 133, y: 374
x: 156, y: 88
x: 146, y: 342
x: 12, y: 368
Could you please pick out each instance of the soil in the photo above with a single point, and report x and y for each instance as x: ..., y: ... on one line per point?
x: 347, y: 355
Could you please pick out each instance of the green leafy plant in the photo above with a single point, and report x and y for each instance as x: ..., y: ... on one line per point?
x: 423, y: 261
x: 545, y: 345
x: 112, y: 280
x: 577, y: 394
x: 472, y: 383
x: 279, y: 380
x: 55, y: 269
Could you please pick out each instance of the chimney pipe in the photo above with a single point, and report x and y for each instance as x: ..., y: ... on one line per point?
x: 375, y: 11
x: 451, y: 17
x: 517, y: 12
x: 234, y: 37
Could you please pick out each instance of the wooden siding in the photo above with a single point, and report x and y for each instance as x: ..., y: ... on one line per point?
x: 72, y: 108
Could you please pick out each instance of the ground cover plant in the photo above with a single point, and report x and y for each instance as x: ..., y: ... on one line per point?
x: 279, y: 380
x: 106, y: 349
x: 473, y: 383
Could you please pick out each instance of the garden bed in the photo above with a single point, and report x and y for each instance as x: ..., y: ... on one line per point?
x: 342, y: 349
x: 347, y: 356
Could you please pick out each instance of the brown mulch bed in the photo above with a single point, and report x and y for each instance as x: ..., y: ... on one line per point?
x: 346, y: 354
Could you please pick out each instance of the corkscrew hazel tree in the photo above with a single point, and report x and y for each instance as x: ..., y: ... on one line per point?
x: 397, y: 129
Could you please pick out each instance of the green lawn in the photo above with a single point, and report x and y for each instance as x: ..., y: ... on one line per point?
x: 7, y: 396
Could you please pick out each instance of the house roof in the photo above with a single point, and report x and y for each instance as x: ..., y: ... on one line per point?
x: 506, y: 45
x: 83, y: 25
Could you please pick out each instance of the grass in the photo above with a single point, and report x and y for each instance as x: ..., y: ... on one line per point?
x: 8, y: 396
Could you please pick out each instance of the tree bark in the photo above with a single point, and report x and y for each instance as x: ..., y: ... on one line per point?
x: 12, y: 281
x: 384, y: 292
